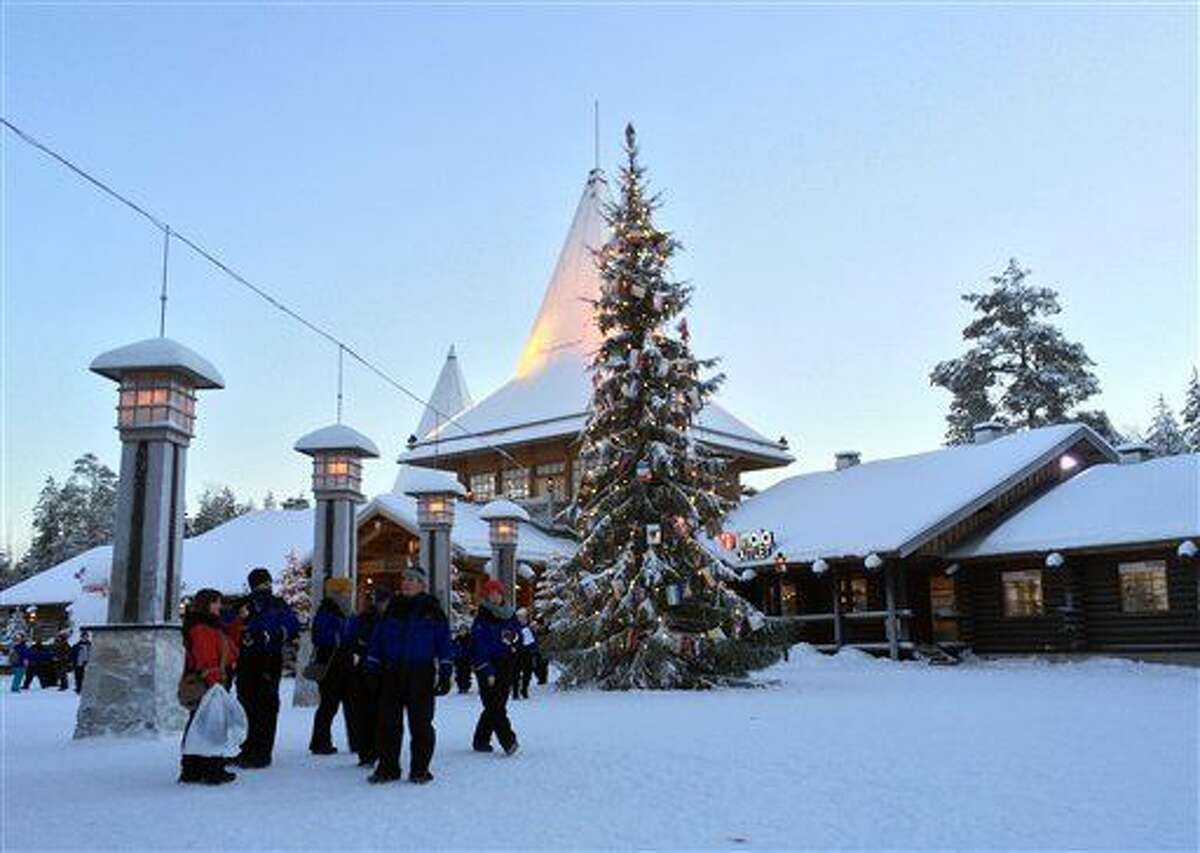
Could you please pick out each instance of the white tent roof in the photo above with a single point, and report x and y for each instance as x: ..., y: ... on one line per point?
x: 1113, y: 504
x: 450, y: 396
x: 894, y: 505
x: 550, y: 395
x: 219, y: 558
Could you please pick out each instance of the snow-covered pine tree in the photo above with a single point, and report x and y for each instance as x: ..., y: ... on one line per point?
x: 1020, y: 366
x: 647, y: 605
x: 1191, y: 413
x: 1164, y: 436
x: 293, y: 586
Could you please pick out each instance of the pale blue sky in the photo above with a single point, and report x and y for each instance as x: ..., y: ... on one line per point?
x: 406, y: 175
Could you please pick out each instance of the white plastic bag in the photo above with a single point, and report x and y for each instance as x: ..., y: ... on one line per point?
x: 219, y: 726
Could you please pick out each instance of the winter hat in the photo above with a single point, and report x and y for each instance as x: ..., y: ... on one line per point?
x: 416, y: 573
x: 494, y: 585
x: 258, y: 577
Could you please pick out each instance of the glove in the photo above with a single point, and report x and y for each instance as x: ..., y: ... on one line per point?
x: 491, y: 681
x: 443, y: 684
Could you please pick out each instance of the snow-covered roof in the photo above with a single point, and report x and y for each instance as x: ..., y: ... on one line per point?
x: 502, y: 508
x: 894, y: 505
x: 219, y: 558
x: 551, y: 393
x: 1105, y: 505
x: 469, y: 535
x: 158, y: 353
x: 337, y: 437
x: 450, y: 396
x: 411, y: 480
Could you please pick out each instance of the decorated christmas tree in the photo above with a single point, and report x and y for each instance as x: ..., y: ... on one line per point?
x: 644, y: 603
x: 294, y: 587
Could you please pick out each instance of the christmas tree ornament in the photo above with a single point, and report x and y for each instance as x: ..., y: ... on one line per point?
x: 653, y: 534
x: 644, y: 474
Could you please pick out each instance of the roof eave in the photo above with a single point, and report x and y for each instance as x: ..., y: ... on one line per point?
x: 1082, y: 431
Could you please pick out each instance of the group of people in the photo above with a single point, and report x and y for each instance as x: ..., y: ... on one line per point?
x: 50, y: 665
x: 384, y: 667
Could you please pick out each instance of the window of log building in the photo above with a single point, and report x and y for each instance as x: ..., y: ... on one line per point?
x: 483, y: 487
x: 1022, y: 593
x: 789, y: 601
x: 1143, y: 586
x: 515, y: 483
x: 859, y: 601
x: 550, y: 479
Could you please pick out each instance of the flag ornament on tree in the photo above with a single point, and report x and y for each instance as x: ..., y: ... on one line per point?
x: 645, y: 603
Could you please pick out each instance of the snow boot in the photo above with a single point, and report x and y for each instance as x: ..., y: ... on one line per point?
x: 323, y: 750
x: 190, y: 770
x: 511, y: 748
x: 215, y: 773
x: 382, y: 777
x: 482, y: 747
x: 420, y: 778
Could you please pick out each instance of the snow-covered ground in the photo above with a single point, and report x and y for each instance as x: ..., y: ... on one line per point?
x: 843, y: 752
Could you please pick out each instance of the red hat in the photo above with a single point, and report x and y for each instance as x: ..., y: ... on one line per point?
x: 493, y: 585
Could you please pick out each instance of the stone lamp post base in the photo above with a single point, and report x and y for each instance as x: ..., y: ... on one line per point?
x: 132, y: 682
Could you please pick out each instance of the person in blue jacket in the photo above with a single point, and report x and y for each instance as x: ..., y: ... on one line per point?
x: 494, y: 635
x: 270, y: 624
x: 18, y: 659
x: 410, y: 652
x: 333, y: 652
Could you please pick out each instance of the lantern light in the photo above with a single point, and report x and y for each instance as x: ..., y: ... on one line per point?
x: 435, y: 492
x: 504, y: 521
x: 337, y: 452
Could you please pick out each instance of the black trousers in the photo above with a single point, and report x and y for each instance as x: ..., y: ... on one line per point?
x: 258, y: 691
x: 493, y: 719
x: 365, y: 709
x: 79, y: 673
x: 462, y: 674
x: 522, y: 674
x: 406, y: 691
x: 336, y: 690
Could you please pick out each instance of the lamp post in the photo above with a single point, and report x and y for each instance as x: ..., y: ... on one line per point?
x: 137, y: 657
x: 504, y: 527
x: 337, y: 452
x: 436, y: 492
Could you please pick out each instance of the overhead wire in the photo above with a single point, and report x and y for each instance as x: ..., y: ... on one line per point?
x: 172, y: 233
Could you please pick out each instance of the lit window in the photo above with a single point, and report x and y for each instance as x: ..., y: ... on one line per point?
x: 854, y: 596
x: 550, y: 479
x: 515, y: 483
x: 483, y: 487
x: 1143, y: 586
x: 1022, y: 593
x: 789, y: 601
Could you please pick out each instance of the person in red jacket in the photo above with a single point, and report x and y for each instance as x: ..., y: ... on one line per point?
x: 212, y: 654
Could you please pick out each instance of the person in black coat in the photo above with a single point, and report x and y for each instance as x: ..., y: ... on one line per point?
x: 270, y: 625
x: 366, y: 685
x: 494, y: 635
x: 410, y: 654
x: 81, y: 652
x: 462, y: 660
x: 333, y: 654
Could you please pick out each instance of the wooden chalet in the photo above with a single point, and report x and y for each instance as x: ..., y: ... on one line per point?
x: 874, y: 555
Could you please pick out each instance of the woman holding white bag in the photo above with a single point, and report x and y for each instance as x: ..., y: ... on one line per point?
x: 221, y: 726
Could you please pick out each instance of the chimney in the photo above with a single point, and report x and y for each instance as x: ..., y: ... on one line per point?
x: 986, y: 431
x: 1135, y: 451
x: 844, y: 459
